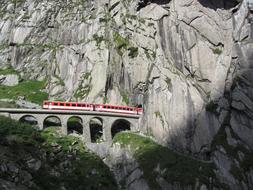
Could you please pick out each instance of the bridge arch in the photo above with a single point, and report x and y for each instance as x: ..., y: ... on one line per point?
x: 96, y: 129
x: 120, y: 125
x: 75, y: 125
x: 29, y: 119
x: 52, y: 121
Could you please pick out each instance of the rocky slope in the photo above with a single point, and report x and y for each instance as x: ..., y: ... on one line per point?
x: 45, y: 160
x: 189, y: 62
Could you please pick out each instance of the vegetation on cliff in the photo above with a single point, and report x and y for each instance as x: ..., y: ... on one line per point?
x: 159, y: 162
x: 31, y: 90
x: 45, y: 160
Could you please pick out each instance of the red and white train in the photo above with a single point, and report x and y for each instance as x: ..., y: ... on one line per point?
x: 56, y: 105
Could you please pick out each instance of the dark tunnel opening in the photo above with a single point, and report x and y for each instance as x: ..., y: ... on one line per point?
x: 119, y: 126
x: 75, y: 125
x: 96, y: 130
x: 51, y: 121
x: 28, y: 119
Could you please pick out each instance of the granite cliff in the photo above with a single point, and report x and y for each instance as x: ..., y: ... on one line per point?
x: 188, y: 62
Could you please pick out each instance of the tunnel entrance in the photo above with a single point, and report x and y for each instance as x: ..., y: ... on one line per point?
x: 96, y: 130
x: 75, y: 125
x: 119, y: 126
x: 28, y: 119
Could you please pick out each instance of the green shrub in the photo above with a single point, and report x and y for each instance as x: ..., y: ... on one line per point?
x: 98, y: 39
x: 212, y: 107
x: 133, y: 52
x: 217, y: 51
x: 120, y: 43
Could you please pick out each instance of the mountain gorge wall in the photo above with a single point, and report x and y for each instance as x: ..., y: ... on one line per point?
x: 189, y: 62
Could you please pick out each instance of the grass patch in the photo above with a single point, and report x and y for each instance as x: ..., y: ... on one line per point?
x: 174, y: 167
x: 31, y: 90
x: 8, y: 70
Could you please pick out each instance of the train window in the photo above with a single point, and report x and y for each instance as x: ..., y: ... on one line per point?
x: 46, y: 103
x: 74, y: 105
x: 67, y: 104
x: 61, y: 104
x: 79, y: 105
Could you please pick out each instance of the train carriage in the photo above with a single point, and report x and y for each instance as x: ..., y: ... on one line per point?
x: 57, y: 105
x: 67, y: 105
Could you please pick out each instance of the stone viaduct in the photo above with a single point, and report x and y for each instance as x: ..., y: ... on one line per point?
x: 110, y: 123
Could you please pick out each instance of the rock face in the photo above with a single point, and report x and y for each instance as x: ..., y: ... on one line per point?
x: 125, y: 167
x: 189, y: 62
x: 9, y: 80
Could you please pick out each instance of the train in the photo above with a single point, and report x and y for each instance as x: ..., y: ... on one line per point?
x: 82, y: 106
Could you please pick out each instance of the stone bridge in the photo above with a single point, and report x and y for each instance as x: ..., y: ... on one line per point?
x: 91, y: 125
